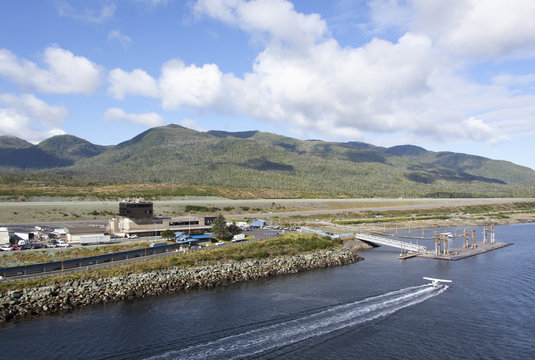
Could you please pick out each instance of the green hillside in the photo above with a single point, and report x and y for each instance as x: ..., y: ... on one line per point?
x: 57, y: 151
x: 257, y: 160
x: 70, y: 147
x: 12, y: 142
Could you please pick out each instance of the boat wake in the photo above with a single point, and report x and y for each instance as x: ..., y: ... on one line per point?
x: 269, y: 338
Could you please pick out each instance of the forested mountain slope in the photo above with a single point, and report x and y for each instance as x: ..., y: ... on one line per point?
x: 258, y: 160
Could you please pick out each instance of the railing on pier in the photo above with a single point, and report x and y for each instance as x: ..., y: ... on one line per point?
x: 390, y: 242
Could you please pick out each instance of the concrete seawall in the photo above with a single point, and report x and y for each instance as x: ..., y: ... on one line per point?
x: 68, y: 296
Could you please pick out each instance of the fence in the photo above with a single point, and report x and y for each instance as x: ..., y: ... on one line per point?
x: 73, y: 265
x: 83, y: 262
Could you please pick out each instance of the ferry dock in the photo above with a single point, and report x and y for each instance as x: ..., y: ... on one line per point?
x: 443, y: 241
x: 462, y: 253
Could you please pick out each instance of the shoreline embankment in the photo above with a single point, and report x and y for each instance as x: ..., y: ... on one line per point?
x: 71, y: 295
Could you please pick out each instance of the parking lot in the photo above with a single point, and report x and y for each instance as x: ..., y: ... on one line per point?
x: 50, y: 226
x: 47, y: 228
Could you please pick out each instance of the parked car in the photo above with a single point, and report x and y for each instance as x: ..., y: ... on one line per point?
x: 62, y: 244
x: 50, y: 245
x: 15, y: 247
x: 26, y: 247
x: 37, y: 246
x: 157, y: 244
x: 5, y: 248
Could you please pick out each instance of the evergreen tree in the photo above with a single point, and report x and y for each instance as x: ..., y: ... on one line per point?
x: 168, y: 234
x: 219, y: 229
x: 234, y: 229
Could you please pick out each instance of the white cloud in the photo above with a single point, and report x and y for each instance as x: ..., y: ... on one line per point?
x: 147, y: 119
x: 90, y: 15
x: 30, y: 118
x: 36, y: 109
x: 15, y: 123
x: 304, y: 81
x: 190, y: 124
x: 411, y: 85
x: 177, y: 85
x: 137, y: 82
x: 63, y: 72
x: 124, y: 40
x: 493, y: 28
x: 479, y: 130
x: 331, y: 88
x: 480, y: 30
x: 513, y: 80
x: 190, y: 85
x: 276, y: 17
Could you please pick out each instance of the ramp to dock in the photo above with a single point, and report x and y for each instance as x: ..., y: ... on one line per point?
x: 390, y: 242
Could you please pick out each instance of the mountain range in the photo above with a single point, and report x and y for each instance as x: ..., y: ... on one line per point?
x: 260, y: 160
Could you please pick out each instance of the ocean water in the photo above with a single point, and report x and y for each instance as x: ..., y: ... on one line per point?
x: 380, y: 308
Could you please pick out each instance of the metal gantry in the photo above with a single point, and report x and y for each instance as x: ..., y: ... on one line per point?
x: 469, y: 234
x: 442, y: 244
x: 488, y: 230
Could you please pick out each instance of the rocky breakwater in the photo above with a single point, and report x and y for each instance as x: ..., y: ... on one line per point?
x: 70, y: 295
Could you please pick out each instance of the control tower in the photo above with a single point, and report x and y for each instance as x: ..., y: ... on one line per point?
x: 138, y: 210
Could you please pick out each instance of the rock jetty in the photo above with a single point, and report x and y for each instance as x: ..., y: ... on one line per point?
x: 68, y: 296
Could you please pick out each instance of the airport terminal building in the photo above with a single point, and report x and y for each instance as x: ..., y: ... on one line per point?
x: 136, y: 217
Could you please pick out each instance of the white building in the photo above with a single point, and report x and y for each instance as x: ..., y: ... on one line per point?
x: 4, y: 236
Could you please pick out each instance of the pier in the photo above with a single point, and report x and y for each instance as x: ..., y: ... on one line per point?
x: 444, y: 249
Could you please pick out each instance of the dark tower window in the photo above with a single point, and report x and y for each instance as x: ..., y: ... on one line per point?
x: 141, y: 212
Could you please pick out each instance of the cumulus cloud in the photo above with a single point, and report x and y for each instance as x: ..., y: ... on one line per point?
x: 336, y: 86
x: 17, y: 124
x: 276, y: 17
x: 116, y: 35
x: 37, y: 109
x: 190, y: 85
x: 305, y: 81
x: 177, y: 85
x: 90, y: 15
x: 480, y: 30
x: 147, y: 119
x: 136, y: 82
x: 62, y: 72
x: 411, y: 85
x: 30, y: 118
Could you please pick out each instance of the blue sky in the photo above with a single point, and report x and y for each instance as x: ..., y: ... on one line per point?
x: 447, y: 75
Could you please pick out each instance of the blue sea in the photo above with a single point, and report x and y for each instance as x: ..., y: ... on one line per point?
x: 379, y: 308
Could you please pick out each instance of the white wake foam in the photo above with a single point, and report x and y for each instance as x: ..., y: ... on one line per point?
x: 272, y: 337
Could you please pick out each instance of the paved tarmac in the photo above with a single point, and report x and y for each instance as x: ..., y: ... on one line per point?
x: 50, y: 226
